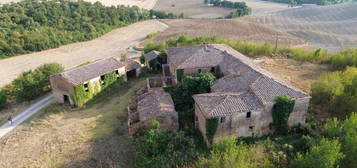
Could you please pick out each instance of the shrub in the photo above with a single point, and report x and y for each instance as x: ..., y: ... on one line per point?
x: 346, y: 132
x: 3, y: 99
x: 228, y: 153
x: 337, y: 90
x: 327, y: 154
x: 33, y: 83
x: 163, y: 149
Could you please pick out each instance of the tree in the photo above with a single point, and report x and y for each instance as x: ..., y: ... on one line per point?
x: 327, y: 154
x: 282, y: 108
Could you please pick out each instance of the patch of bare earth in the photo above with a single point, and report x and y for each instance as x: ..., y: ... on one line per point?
x: 297, y: 73
x: 95, y: 136
x: 232, y: 29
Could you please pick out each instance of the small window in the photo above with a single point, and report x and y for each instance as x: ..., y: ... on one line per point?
x: 213, y: 69
x: 249, y: 114
x: 117, y: 72
x: 223, y: 119
x: 199, y: 70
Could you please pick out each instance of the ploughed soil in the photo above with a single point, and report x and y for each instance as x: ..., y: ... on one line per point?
x: 232, y: 29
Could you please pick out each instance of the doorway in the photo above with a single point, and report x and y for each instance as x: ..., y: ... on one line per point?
x: 66, y: 99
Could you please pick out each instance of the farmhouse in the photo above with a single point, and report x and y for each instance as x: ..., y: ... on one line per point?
x: 153, y: 104
x: 78, y: 85
x: 242, y: 99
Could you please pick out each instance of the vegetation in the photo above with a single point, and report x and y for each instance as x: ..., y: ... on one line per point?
x: 339, y: 60
x: 228, y: 153
x: 152, y: 35
x: 282, y: 108
x: 240, y: 8
x: 211, y: 128
x: 84, y: 92
x: 327, y: 154
x: 36, y: 25
x: 163, y: 149
x: 2, y: 99
x: 346, y: 133
x: 337, y: 91
x: 32, y: 83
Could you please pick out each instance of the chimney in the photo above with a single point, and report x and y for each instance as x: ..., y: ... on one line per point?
x: 205, y: 47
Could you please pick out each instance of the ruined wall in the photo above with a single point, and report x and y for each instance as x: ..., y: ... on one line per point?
x: 61, y: 87
x: 298, y: 116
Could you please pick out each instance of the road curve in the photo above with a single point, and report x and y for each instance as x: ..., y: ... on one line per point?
x: 34, y: 108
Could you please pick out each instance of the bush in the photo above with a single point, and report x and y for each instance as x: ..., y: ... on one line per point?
x: 346, y: 132
x: 337, y: 90
x: 227, y: 153
x: 211, y: 128
x: 163, y: 149
x: 324, y: 155
x: 33, y: 83
x: 3, y: 99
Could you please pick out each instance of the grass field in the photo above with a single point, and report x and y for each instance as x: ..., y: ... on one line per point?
x: 227, y: 29
x: 95, y: 136
x: 332, y: 27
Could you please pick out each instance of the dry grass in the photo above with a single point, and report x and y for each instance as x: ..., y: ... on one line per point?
x: 226, y: 28
x: 58, y: 136
x: 298, y: 74
x: 332, y: 27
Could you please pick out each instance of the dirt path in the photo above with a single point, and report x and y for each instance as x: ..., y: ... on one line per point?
x: 6, y: 128
x: 111, y: 44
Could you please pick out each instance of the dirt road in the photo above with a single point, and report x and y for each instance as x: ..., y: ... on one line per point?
x: 6, y: 128
x: 111, y: 44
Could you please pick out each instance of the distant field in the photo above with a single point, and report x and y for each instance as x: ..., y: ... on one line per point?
x: 226, y: 28
x: 197, y: 9
x: 191, y: 8
x: 331, y: 27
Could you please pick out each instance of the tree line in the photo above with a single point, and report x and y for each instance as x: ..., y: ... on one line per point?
x: 240, y: 8
x: 35, y: 25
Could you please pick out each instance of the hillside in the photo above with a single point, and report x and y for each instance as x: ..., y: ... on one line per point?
x: 332, y: 27
x: 226, y: 28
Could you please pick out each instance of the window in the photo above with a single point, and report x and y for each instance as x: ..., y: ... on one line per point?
x: 249, y: 114
x: 102, y: 77
x: 213, y: 69
x: 251, y: 128
x: 223, y: 119
x: 117, y: 72
x: 199, y: 70
x: 86, y: 87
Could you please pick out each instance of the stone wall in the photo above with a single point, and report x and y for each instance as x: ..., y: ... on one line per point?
x: 61, y: 87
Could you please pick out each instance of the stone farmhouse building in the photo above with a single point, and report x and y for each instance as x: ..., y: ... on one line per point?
x: 78, y: 85
x: 242, y: 99
x: 153, y: 104
x: 151, y: 59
